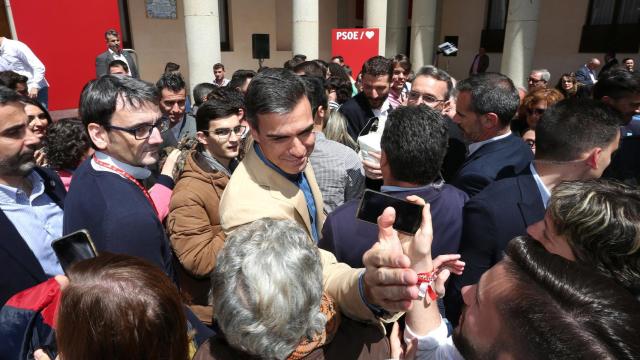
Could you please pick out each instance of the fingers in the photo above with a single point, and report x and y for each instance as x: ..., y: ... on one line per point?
x: 412, y: 349
x: 372, y: 169
x: 386, y: 235
x: 439, y: 283
x: 62, y: 280
x: 40, y: 355
x: 378, y: 256
x: 395, y: 342
x: 441, y: 259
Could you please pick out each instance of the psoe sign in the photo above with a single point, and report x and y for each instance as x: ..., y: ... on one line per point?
x: 355, y: 45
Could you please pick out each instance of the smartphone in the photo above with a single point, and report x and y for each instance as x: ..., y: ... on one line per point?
x: 74, y: 247
x: 408, y: 215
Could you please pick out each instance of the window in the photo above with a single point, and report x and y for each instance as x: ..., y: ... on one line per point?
x: 492, y: 37
x: 223, y: 14
x: 612, y: 25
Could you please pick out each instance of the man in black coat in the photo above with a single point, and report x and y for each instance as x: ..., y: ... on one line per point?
x: 114, y: 52
x: 30, y: 204
x: 505, y: 208
x: 485, y: 105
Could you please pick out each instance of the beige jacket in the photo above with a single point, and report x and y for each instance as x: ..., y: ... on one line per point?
x: 257, y: 191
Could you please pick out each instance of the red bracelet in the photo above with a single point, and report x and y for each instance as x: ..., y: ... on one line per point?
x: 425, y: 285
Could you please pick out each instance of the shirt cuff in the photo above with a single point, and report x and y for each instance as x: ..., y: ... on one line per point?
x: 166, y: 181
x: 435, y: 338
x: 376, y: 310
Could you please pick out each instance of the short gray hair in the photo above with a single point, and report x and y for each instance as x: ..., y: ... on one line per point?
x: 438, y: 74
x: 267, y: 288
x: 544, y: 74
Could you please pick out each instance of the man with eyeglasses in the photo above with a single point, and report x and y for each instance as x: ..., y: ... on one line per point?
x: 106, y: 196
x: 31, y: 202
x: 538, y: 79
x: 434, y: 87
x: 194, y: 220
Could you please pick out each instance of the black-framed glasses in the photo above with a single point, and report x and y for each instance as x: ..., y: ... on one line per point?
x: 535, y: 81
x: 143, y: 131
x: 223, y: 133
x: 427, y: 98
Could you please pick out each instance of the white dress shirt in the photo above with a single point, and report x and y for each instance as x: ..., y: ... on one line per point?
x: 135, y: 171
x: 475, y: 146
x: 120, y: 57
x: 17, y: 57
x: 542, y: 188
x: 382, y: 114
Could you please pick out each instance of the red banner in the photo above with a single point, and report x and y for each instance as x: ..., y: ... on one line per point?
x: 355, y: 46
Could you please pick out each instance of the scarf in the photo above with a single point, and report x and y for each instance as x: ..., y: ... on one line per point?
x: 307, y: 345
x: 214, y: 163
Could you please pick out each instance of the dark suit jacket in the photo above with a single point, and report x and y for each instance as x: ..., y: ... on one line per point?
x: 582, y: 75
x: 103, y: 60
x: 493, y: 161
x: 21, y: 269
x: 349, y: 238
x: 502, y: 211
x: 359, y: 115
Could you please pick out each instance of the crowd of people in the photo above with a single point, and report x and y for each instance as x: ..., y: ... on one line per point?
x: 226, y: 226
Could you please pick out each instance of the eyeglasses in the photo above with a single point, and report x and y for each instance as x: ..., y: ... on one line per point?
x: 535, y: 81
x: 41, y: 116
x: 531, y: 143
x: 223, y: 133
x: 427, y: 98
x: 536, y: 111
x: 143, y: 131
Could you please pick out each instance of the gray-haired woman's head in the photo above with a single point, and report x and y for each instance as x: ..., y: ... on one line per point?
x: 267, y: 288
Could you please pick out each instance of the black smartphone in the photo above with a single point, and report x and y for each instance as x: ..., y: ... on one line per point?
x: 408, y: 215
x: 74, y: 247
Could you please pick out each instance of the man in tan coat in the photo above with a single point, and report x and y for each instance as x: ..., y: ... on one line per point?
x: 276, y: 181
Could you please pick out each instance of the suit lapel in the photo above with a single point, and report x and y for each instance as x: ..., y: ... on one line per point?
x: 15, y: 246
x: 280, y: 187
x: 530, y: 204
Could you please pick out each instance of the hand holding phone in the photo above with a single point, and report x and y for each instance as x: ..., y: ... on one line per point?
x: 74, y: 247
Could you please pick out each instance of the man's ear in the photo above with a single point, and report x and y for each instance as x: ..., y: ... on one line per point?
x: 593, y: 158
x: 607, y: 100
x: 383, y: 159
x: 202, y: 138
x: 99, y: 135
x: 490, y: 120
x: 321, y: 115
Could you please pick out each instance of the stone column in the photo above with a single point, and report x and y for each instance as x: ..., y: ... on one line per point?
x: 520, y: 40
x: 305, y: 28
x: 202, y: 33
x: 375, y: 16
x: 397, y: 28
x: 423, y: 30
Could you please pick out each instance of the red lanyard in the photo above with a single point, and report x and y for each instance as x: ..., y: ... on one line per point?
x: 126, y: 175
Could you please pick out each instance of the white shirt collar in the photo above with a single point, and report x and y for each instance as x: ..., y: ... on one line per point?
x: 135, y: 171
x: 475, y: 146
x: 542, y: 188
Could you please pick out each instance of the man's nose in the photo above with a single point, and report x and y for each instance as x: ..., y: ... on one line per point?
x: 175, y: 107
x: 156, y: 136
x: 297, y: 148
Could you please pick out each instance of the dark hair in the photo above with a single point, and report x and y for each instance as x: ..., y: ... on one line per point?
x: 415, y: 141
x: 218, y: 66
x: 311, y: 68
x: 339, y: 57
x: 617, y: 83
x: 221, y: 102
x: 403, y: 61
x: 67, y: 143
x: 120, y: 307
x: 315, y: 93
x: 200, y: 91
x: 573, y: 90
x: 627, y: 58
x: 378, y: 66
x: 171, y: 67
x: 492, y: 93
x: 573, y: 126
x: 292, y: 63
x: 101, y: 97
x: 437, y: 74
x: 170, y: 81
x: 300, y: 57
x: 273, y: 91
x: 239, y: 77
x: 11, y: 79
x: 31, y: 101
x: 558, y: 309
x: 8, y: 95
x: 342, y: 87
x: 601, y: 221
x: 120, y: 63
x: 111, y: 32
x: 338, y: 71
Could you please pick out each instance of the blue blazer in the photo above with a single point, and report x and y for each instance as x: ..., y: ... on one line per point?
x: 502, y: 211
x: 493, y: 161
x: 21, y: 269
x: 582, y: 75
x: 349, y: 238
